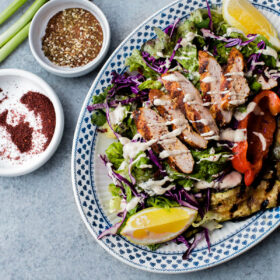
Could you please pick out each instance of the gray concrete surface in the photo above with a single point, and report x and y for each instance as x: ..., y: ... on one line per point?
x: 41, y: 233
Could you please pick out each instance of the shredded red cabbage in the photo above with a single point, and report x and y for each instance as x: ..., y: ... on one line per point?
x: 207, y: 238
x: 109, y: 121
x: 231, y: 42
x: 196, y: 240
x: 177, y: 46
x: 158, y: 65
x: 119, y: 177
x: 142, y: 96
x: 133, y: 180
x: 169, y: 30
x: 210, y: 15
x: 113, y: 229
x: 256, y: 56
x: 121, y: 81
x: 156, y: 161
x: 183, y: 198
x: 181, y: 239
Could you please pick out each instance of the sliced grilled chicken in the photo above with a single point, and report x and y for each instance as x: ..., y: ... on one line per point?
x: 211, y: 76
x: 153, y: 127
x: 239, y: 202
x: 267, y: 83
x: 188, y: 99
x: 165, y: 107
x: 234, y: 85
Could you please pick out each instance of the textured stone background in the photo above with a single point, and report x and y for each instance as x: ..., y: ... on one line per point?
x: 41, y: 233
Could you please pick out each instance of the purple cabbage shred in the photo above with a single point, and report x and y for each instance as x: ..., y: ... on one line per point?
x: 119, y: 177
x: 169, y: 30
x: 121, y: 81
x: 113, y: 229
x: 231, y: 42
x: 210, y: 15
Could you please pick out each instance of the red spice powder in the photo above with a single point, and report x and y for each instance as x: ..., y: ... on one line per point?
x: 21, y: 134
x: 41, y: 105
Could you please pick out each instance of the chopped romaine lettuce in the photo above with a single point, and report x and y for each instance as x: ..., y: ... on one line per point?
x: 150, y: 84
x: 135, y: 62
x: 161, y: 202
x: 115, y: 154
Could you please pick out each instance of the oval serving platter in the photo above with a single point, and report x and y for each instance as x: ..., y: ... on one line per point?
x: 90, y: 178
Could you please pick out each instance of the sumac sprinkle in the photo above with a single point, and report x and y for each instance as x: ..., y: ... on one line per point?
x: 73, y: 38
x: 21, y: 134
x: 42, y: 106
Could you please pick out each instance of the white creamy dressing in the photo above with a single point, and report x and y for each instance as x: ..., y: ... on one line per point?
x: 161, y: 102
x: 208, y: 79
x: 250, y: 108
x: 131, y: 149
x: 187, y: 39
x: 234, y: 74
x: 153, y: 187
x: 188, y: 97
x: 138, y: 158
x: 231, y: 180
x: 110, y: 173
x: 142, y: 166
x: 203, y: 121
x: 212, y: 158
x: 117, y: 115
x: 171, y: 78
x: 233, y: 30
x: 167, y: 141
x: 269, y: 51
x: 262, y: 139
x: 238, y: 135
x: 173, y: 133
x: 166, y: 154
x: 254, y: 63
x: 209, y: 133
x: 177, y: 122
x: 133, y: 203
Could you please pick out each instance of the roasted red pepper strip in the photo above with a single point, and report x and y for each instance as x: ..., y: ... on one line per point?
x: 260, y: 125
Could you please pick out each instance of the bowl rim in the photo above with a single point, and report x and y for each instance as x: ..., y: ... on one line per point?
x: 59, y: 125
x: 60, y: 6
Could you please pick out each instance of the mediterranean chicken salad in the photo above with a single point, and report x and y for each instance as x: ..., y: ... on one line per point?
x: 195, y: 118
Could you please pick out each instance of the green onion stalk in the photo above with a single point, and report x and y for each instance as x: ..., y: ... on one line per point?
x: 21, y: 23
x: 9, y: 47
x: 10, y: 10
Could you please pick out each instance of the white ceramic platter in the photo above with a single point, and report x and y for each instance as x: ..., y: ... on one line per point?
x: 90, y: 181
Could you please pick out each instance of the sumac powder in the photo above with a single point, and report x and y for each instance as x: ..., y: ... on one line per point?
x: 21, y: 134
x: 42, y: 106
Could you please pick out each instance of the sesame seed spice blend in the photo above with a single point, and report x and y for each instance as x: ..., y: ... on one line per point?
x: 73, y: 38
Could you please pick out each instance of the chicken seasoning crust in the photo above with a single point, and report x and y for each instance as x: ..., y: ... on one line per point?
x: 73, y: 38
x: 195, y: 117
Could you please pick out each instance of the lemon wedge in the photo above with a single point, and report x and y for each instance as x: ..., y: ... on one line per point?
x: 243, y: 15
x: 157, y: 225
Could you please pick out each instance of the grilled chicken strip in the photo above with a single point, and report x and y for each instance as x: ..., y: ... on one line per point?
x: 187, y: 98
x: 239, y: 202
x: 211, y: 76
x: 165, y: 107
x: 153, y: 127
x: 234, y: 85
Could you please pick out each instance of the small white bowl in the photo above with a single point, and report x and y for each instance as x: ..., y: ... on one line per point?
x: 37, y: 32
x: 19, y: 81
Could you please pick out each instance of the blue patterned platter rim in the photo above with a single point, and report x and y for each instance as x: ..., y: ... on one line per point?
x: 246, y: 234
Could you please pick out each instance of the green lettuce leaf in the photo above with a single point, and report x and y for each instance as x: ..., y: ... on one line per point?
x: 115, y: 154
x: 136, y: 63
